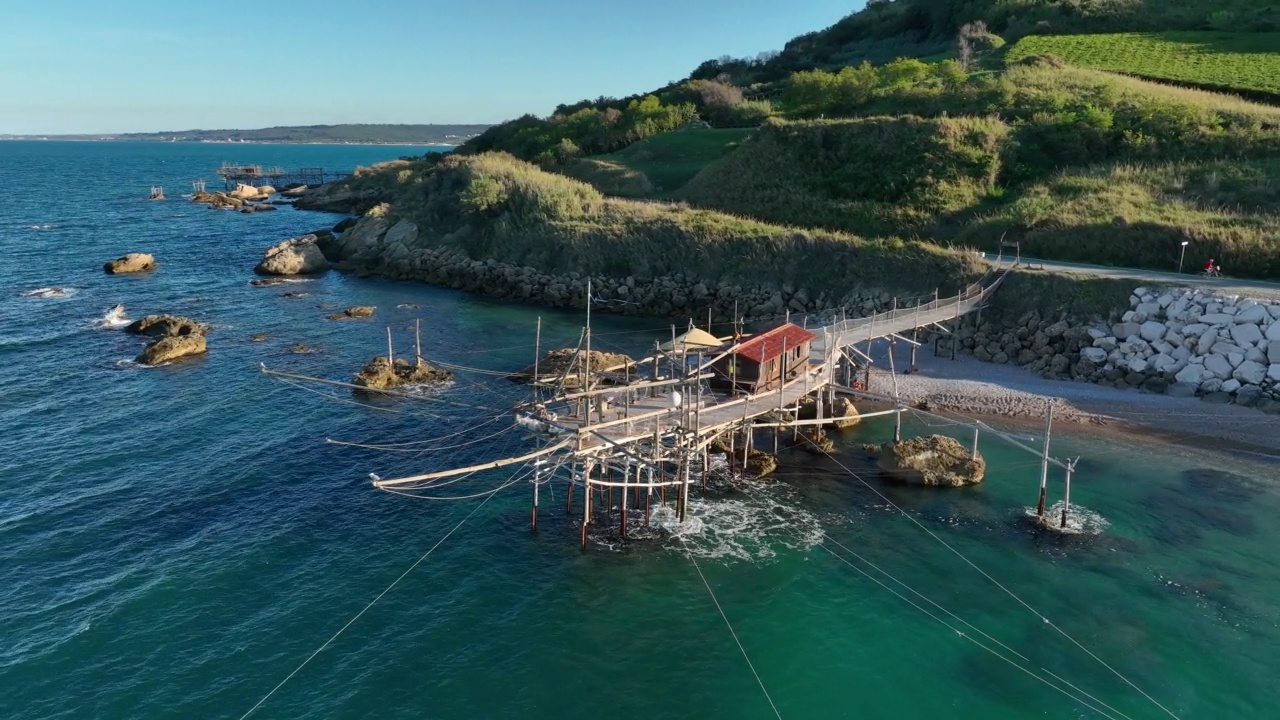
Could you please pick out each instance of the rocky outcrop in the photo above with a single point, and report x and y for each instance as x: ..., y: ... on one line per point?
x: 165, y: 325
x: 171, y: 347
x: 131, y: 263
x: 557, y: 362
x: 1178, y: 341
x: 360, y: 311
x: 844, y: 415
x: 295, y: 256
x: 382, y: 375
x: 759, y: 464
x: 175, y: 337
x: 376, y: 245
x: 931, y: 460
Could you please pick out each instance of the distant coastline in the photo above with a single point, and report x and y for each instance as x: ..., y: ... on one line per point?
x: 354, y: 134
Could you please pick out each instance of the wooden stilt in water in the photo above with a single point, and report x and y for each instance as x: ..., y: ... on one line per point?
x: 537, y: 478
x: 622, y: 510
x: 568, y: 495
x: 417, y: 341
x: 648, y: 497
x: 586, y: 504
x: 390, y: 359
x: 1066, y: 497
x: 1044, y: 458
x: 974, y: 455
x: 897, y: 403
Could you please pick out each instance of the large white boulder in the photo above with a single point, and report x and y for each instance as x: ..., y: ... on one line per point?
x: 1181, y: 353
x: 1226, y: 348
x: 1163, y: 362
x: 1250, y: 373
x: 1274, y: 372
x: 1138, y: 365
x: 1230, y: 386
x: 1273, y: 352
x: 1150, y: 309
x: 1235, y: 359
x: 1207, y: 341
x: 1152, y: 331
x: 1246, y: 334
x: 295, y: 256
x: 1252, y: 314
x: 1218, y: 365
x: 1273, y: 332
x: 1125, y: 330
x: 1195, y: 329
x: 1216, y: 318
x: 1191, y: 374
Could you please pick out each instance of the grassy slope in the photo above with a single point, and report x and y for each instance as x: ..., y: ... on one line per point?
x: 659, y: 165
x: 1247, y: 62
x: 493, y: 205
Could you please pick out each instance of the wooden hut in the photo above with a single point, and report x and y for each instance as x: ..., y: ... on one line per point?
x: 764, y: 360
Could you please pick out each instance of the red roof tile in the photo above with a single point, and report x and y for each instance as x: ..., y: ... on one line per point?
x: 768, y: 345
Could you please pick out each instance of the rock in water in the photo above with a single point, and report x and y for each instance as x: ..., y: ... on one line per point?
x: 166, y: 325
x: 845, y: 415
x: 760, y: 464
x: 932, y: 460
x: 360, y: 311
x: 556, y: 362
x: 382, y: 375
x: 171, y: 347
x: 295, y: 256
x: 131, y: 263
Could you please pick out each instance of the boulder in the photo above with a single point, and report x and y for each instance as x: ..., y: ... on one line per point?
x: 1249, y: 395
x: 1137, y: 365
x: 1207, y: 341
x: 931, y: 460
x: 1253, y: 314
x: 1182, y: 389
x: 1094, y: 355
x: 1246, y: 334
x: 1273, y: 331
x: 1250, y: 373
x: 1217, y: 318
x: 1218, y: 365
x: 1126, y: 330
x: 244, y: 192
x: 131, y: 263
x: 1230, y: 386
x: 1151, y: 331
x: 1191, y: 375
x: 171, y: 347
x: 266, y: 190
x: 345, y: 224
x: 360, y: 311
x: 165, y: 326
x: 295, y: 256
x: 382, y: 375
x: 1273, y: 372
x: 845, y: 414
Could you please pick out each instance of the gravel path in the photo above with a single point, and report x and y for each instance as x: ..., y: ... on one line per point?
x: 967, y: 385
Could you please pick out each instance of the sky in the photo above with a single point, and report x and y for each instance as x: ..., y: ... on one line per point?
x: 78, y: 66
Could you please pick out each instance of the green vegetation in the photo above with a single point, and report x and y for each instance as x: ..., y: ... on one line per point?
x: 1082, y: 298
x: 659, y: 165
x: 1139, y: 215
x: 877, y: 176
x: 1248, y: 62
x: 493, y: 205
x: 354, y: 134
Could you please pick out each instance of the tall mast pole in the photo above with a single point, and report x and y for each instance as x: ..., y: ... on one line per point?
x: 537, y: 353
x: 1044, y: 457
x: 417, y: 340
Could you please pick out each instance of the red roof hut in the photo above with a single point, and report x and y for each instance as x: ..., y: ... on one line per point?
x: 764, y: 360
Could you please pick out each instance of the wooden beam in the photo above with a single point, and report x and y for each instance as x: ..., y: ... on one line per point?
x: 473, y: 468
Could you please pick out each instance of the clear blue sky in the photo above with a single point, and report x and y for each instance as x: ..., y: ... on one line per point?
x: 90, y: 66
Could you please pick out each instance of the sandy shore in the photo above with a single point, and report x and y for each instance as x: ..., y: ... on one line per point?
x: 966, y: 385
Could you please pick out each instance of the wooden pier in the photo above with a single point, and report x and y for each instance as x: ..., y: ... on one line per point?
x: 647, y: 429
x: 233, y: 174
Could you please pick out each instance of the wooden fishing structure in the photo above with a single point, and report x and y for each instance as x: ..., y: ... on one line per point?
x: 233, y: 174
x: 642, y: 432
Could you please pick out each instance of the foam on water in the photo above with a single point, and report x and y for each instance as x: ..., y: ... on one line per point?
x: 1080, y: 520
x: 749, y: 525
x: 49, y: 293
x: 114, y: 318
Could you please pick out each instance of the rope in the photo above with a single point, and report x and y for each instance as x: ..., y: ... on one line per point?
x: 387, y: 446
x: 734, y: 634
x: 998, y: 584
x: 961, y: 633
x: 434, y: 448
x: 366, y: 608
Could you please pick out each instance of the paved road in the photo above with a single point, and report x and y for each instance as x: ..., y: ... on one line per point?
x: 1228, y: 284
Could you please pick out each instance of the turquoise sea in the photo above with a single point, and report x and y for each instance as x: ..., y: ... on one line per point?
x: 175, y: 542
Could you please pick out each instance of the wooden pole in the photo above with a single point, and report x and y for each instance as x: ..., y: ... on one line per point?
x: 897, y: 402
x: 586, y: 383
x: 586, y: 503
x: 390, y: 360
x: 1066, y: 498
x: 974, y: 454
x: 537, y: 479
x: 537, y: 351
x: 417, y: 340
x: 782, y: 383
x: 626, y: 478
x: 568, y: 495
x: 1044, y: 458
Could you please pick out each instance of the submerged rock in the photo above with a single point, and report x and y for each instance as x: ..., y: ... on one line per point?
x: 382, y: 375
x: 171, y: 347
x: 359, y: 311
x: 131, y: 263
x: 816, y: 441
x: 300, y: 349
x: 844, y: 416
x: 931, y: 460
x: 166, y: 325
x: 295, y: 256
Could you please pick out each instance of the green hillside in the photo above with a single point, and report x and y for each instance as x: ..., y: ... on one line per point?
x: 1233, y: 62
x: 659, y: 165
x: 493, y: 205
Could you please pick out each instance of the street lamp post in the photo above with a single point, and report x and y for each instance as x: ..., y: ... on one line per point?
x: 1183, y: 256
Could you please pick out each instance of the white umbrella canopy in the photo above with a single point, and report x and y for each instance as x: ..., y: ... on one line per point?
x: 692, y: 341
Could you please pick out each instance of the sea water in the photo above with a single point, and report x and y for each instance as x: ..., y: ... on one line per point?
x: 176, y: 541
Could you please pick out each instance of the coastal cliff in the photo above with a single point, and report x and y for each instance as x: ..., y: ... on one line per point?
x: 492, y: 224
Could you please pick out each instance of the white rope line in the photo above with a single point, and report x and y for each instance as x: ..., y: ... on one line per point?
x: 734, y: 634
x: 961, y: 633
x: 388, y: 446
x: 433, y: 448
x: 998, y: 584
x: 915, y: 592
x: 366, y: 607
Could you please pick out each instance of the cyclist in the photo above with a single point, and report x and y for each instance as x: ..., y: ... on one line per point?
x: 1212, y: 270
